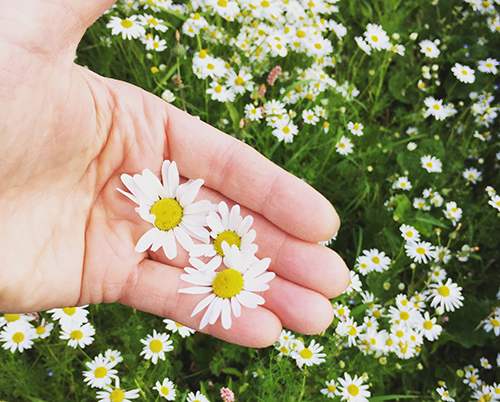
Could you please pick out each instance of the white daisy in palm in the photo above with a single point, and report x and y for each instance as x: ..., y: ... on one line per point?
x: 353, y: 389
x: 196, y: 397
x: 43, y: 329
x: 330, y: 390
x: 420, y: 251
x: 113, y: 356
x: 128, y: 28
x: 117, y: 394
x: 70, y: 315
x: 170, y: 208
x: 227, y: 225
x: 229, y: 288
x: 17, y: 336
x: 177, y: 327
x: 77, y: 334
x: 100, y: 372
x: 155, y: 346
x: 447, y: 296
x: 308, y: 355
x: 166, y: 389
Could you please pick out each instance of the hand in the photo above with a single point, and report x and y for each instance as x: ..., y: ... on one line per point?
x: 67, y: 236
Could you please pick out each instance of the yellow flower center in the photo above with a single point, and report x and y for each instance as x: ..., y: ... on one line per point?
x: 69, y: 310
x: 228, y: 283
x: 239, y: 80
x: 100, y: 372
x: 301, y: 33
x: 399, y: 333
x: 11, y: 317
x: 444, y: 291
x: 376, y: 260
x: 404, y: 315
x: 495, y: 322
x: 265, y: 3
x: 168, y: 213
x: 222, y: 3
x: 436, y: 106
x: 218, y: 89
x: 153, y: 21
x: 318, y: 45
x: 353, y: 389
x: 228, y: 236
x: 18, y: 337
x: 352, y: 330
x: 306, y: 353
x: 286, y: 130
x: 331, y: 388
x: 76, y: 334
x: 40, y: 330
x: 117, y: 395
x: 420, y: 250
x: 164, y: 390
x: 428, y: 325
x: 374, y: 38
x: 156, y: 346
x: 126, y: 23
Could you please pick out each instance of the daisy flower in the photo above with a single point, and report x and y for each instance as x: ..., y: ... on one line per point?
x: 453, y: 212
x: 330, y: 390
x: 152, y: 22
x: 376, y: 37
x: 100, y: 372
x: 285, y: 130
x: 17, y: 336
x: 355, y: 128
x: 402, y: 183
x: 113, y: 356
x: 177, y: 327
x: 447, y: 296
x: 420, y: 251
x: 472, y: 175
x: 220, y: 92
x: 429, y: 328
x: 166, y: 389
x: 492, y: 323
x: 9, y: 318
x: 348, y: 328
x: 444, y: 394
x: 43, y: 329
x: 229, y: 288
x: 169, y: 207
x: 77, y: 334
x: 495, y: 202
x: 352, y: 389
x: 429, y: 48
x: 117, y: 394
x: 344, y: 146
x: 309, y: 116
x: 377, y: 260
x: 409, y: 233
x: 488, y: 66
x: 155, y: 346
x: 309, y: 355
x: 484, y: 362
x: 155, y: 43
x: 365, y: 47
x: 196, y: 397
x: 128, y: 28
x: 463, y: 73
x: 227, y: 225
x: 431, y: 164
x: 70, y: 315
x: 355, y: 284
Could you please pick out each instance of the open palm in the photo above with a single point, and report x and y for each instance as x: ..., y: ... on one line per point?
x: 67, y: 236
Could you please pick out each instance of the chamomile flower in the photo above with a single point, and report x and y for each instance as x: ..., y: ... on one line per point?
x: 472, y: 175
x: 429, y: 48
x: 77, y: 334
x: 100, y: 372
x: 196, y: 397
x: 430, y: 329
x: 117, y: 394
x: 113, y: 356
x: 285, y: 130
x: 155, y: 43
x: 152, y: 22
x: 155, y: 346
x: 43, y: 329
x: 310, y: 117
x: 447, y: 295
x: 344, y: 146
x: 444, y: 394
x: 330, y: 390
x: 166, y: 389
x: 453, y: 212
x: 402, y: 183
x: 492, y: 324
x: 229, y: 288
x: 431, y: 164
x: 170, y: 207
x: 350, y: 329
x: 463, y: 73
x: 253, y: 112
x: 355, y: 128
x: 363, y: 45
x: 376, y: 37
x: 409, y: 233
x: 352, y: 389
x: 129, y: 27
x: 420, y: 251
x: 309, y: 355
x: 9, y: 318
x: 488, y: 66
x: 177, y: 327
x: 70, y: 315
x: 378, y: 261
x: 17, y: 336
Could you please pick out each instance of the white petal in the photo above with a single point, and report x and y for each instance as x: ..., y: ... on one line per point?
x: 187, y: 192
x: 259, y: 266
x: 146, y: 240
x: 224, y: 213
x: 236, y: 307
x: 234, y: 218
x: 197, y: 279
x: 206, y: 316
x: 169, y: 245
x: 195, y: 219
x: 183, y: 238
x: 164, y: 174
x: 128, y: 195
x: 202, y: 304
x: 154, y: 183
x: 250, y: 300
x: 203, y: 206
x: 198, y: 232
x: 214, y: 223
x: 202, y: 250
x: 196, y: 290
x: 173, y: 179
x: 245, y: 225
x: 216, y: 310
x: 226, y: 314
x: 150, y: 191
x: 249, y: 237
x: 143, y: 211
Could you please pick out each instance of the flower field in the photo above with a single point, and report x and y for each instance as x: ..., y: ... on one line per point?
x: 389, y: 109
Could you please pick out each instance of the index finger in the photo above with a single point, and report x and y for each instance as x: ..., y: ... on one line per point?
x: 242, y: 174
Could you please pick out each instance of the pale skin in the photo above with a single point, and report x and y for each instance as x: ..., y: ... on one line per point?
x: 67, y: 236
